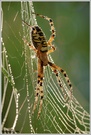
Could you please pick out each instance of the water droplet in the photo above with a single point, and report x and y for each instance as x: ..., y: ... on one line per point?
x: 33, y: 56
x: 9, y: 65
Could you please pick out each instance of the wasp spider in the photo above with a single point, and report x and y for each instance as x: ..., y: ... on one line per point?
x: 40, y: 46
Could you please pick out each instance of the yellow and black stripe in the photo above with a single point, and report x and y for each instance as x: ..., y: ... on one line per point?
x: 39, y: 39
x: 50, y: 22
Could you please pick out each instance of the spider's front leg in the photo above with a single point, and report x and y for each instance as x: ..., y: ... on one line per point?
x: 55, y: 68
x: 39, y: 88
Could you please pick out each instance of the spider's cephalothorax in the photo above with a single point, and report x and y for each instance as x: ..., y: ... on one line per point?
x: 40, y: 46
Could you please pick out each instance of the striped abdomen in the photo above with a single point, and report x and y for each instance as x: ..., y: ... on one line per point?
x: 39, y: 39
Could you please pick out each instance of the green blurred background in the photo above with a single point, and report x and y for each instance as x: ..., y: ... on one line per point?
x: 71, y: 21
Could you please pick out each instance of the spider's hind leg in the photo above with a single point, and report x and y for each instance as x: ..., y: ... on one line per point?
x: 53, y: 31
x: 31, y: 46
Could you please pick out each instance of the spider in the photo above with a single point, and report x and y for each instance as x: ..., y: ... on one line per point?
x: 41, y: 47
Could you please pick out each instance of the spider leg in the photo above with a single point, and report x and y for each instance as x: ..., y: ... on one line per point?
x: 59, y: 81
x: 51, y: 50
x: 55, y: 68
x: 31, y: 46
x: 41, y: 97
x: 36, y: 98
x: 39, y: 88
x: 52, y: 27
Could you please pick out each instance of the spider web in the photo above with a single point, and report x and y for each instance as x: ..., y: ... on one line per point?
x: 19, y: 78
